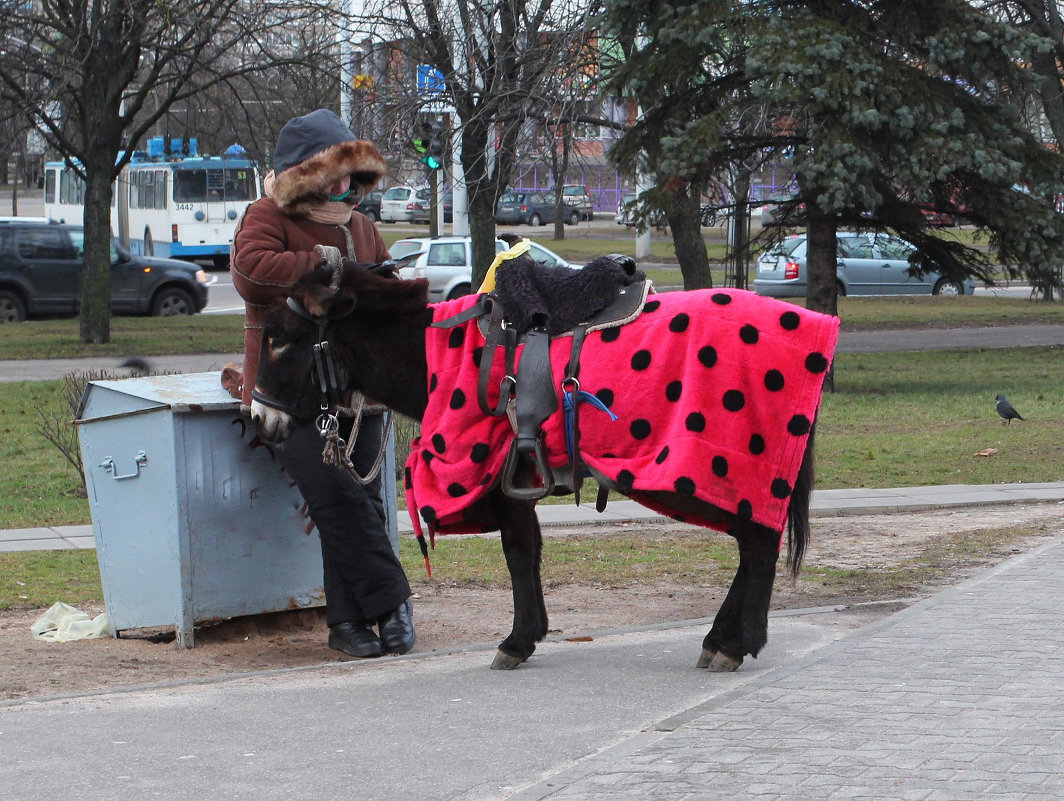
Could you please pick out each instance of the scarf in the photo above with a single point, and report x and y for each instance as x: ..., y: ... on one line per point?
x: 329, y: 212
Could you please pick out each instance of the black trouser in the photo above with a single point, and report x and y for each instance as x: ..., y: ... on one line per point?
x: 363, y: 577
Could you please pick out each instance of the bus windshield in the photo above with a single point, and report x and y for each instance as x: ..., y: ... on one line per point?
x: 199, y: 185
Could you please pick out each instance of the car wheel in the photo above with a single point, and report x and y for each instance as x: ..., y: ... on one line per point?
x: 149, y: 243
x: 172, y: 301
x: 12, y: 309
x: 535, y: 219
x: 945, y: 286
x: 460, y: 291
x: 574, y: 218
x: 373, y: 216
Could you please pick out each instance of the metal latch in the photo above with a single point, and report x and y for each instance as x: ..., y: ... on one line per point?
x: 140, y: 460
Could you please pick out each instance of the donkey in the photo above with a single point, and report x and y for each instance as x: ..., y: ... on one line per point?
x: 380, y: 339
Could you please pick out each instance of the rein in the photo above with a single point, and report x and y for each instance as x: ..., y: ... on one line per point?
x: 337, y: 451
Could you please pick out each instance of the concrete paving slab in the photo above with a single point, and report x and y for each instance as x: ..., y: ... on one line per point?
x: 425, y: 727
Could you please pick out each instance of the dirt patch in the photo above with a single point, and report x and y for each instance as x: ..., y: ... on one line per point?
x: 884, y: 560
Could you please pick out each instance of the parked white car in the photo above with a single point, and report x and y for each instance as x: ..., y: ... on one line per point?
x: 406, y: 204
x: 447, y: 262
x: 868, y: 264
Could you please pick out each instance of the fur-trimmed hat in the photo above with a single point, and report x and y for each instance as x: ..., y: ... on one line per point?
x: 313, y: 151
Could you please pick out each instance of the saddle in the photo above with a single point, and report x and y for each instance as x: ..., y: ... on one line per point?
x: 526, y: 393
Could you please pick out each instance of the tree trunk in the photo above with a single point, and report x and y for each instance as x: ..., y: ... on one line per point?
x: 482, y: 232
x: 96, y: 267
x: 685, y: 220
x: 821, y: 262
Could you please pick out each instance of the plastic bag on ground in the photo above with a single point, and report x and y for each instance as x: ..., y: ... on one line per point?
x: 63, y: 623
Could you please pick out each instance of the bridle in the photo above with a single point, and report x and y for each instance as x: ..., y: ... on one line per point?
x: 337, y: 452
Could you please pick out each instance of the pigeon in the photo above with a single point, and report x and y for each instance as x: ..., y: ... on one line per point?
x: 1004, y: 408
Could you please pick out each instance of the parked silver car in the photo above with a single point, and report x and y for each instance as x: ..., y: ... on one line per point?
x: 406, y: 204
x: 447, y: 262
x: 868, y: 264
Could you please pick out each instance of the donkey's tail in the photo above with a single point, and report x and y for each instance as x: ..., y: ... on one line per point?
x: 798, y: 531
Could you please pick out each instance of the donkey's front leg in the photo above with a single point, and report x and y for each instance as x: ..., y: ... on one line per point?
x: 522, y: 543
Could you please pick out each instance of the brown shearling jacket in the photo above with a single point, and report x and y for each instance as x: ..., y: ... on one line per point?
x: 271, y: 250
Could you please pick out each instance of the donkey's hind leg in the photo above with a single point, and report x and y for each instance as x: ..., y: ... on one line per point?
x: 741, y: 625
x: 522, y: 543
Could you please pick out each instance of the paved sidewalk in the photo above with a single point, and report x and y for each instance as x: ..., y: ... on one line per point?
x: 825, y: 503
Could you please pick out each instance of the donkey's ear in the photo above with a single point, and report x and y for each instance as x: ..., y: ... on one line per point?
x: 323, y: 301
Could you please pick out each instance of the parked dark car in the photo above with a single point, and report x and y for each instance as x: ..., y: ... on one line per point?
x: 40, y: 273
x: 370, y: 205
x: 533, y: 208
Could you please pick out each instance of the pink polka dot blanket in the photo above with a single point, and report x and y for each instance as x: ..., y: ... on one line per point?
x: 713, y: 392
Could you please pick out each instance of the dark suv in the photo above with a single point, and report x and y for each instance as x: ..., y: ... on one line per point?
x: 40, y: 273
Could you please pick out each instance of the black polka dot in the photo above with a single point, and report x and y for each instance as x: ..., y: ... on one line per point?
x: 816, y: 363
x: 427, y: 456
x: 780, y: 488
x: 456, y: 490
x: 651, y: 305
x: 696, y: 421
x: 408, y: 480
x: 640, y: 428
x: 798, y: 425
x: 757, y: 444
x: 749, y: 334
x: 661, y: 457
x: 708, y: 356
x: 673, y: 390
x: 641, y: 360
x: 684, y: 486
x: 605, y: 395
x: 745, y: 509
x: 486, y: 480
x: 457, y: 399
x: 457, y: 337
x: 679, y: 323
x: 721, y: 299
x: 480, y: 452
x: 439, y: 443
x: 610, y: 334
x: 720, y: 466
x: 790, y: 320
x: 734, y: 400
x: 773, y: 380
x: 478, y: 354
x: 433, y: 382
x: 625, y: 480
x: 428, y: 513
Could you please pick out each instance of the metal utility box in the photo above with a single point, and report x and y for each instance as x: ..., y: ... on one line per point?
x: 194, y: 518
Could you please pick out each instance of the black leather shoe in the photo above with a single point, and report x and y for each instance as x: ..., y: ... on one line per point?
x: 397, y: 629
x: 355, y: 639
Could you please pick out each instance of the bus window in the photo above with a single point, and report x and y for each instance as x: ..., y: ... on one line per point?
x: 49, y: 186
x: 190, y: 186
x: 238, y: 184
x: 71, y: 188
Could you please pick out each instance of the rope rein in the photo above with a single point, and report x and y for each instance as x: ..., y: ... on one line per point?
x: 337, y: 452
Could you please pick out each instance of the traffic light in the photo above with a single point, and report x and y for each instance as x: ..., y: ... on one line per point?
x: 429, y: 145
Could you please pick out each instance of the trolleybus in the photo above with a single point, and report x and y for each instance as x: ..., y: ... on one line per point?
x: 168, y: 200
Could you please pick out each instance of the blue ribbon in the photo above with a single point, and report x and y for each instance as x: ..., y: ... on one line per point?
x: 581, y: 397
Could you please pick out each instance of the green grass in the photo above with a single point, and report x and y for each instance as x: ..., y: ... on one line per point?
x: 896, y: 419
x: 157, y: 336
x: 143, y: 336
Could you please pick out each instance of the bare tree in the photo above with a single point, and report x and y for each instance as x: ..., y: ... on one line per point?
x: 495, y: 61
x: 94, y: 77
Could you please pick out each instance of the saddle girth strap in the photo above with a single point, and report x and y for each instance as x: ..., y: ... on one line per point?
x: 499, y: 334
x: 571, y: 384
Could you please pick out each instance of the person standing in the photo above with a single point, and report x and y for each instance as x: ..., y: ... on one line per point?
x: 320, y: 169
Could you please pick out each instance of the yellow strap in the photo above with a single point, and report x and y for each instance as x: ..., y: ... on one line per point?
x: 504, y: 255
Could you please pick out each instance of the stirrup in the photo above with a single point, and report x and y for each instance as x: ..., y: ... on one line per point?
x: 509, y: 467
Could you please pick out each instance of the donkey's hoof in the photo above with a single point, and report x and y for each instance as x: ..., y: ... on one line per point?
x: 503, y: 661
x: 705, y: 658
x: 722, y: 663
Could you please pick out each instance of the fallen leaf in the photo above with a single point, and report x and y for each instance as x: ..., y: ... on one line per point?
x: 987, y: 452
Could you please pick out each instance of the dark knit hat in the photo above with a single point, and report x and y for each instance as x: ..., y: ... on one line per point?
x: 313, y: 151
x: 308, y: 135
